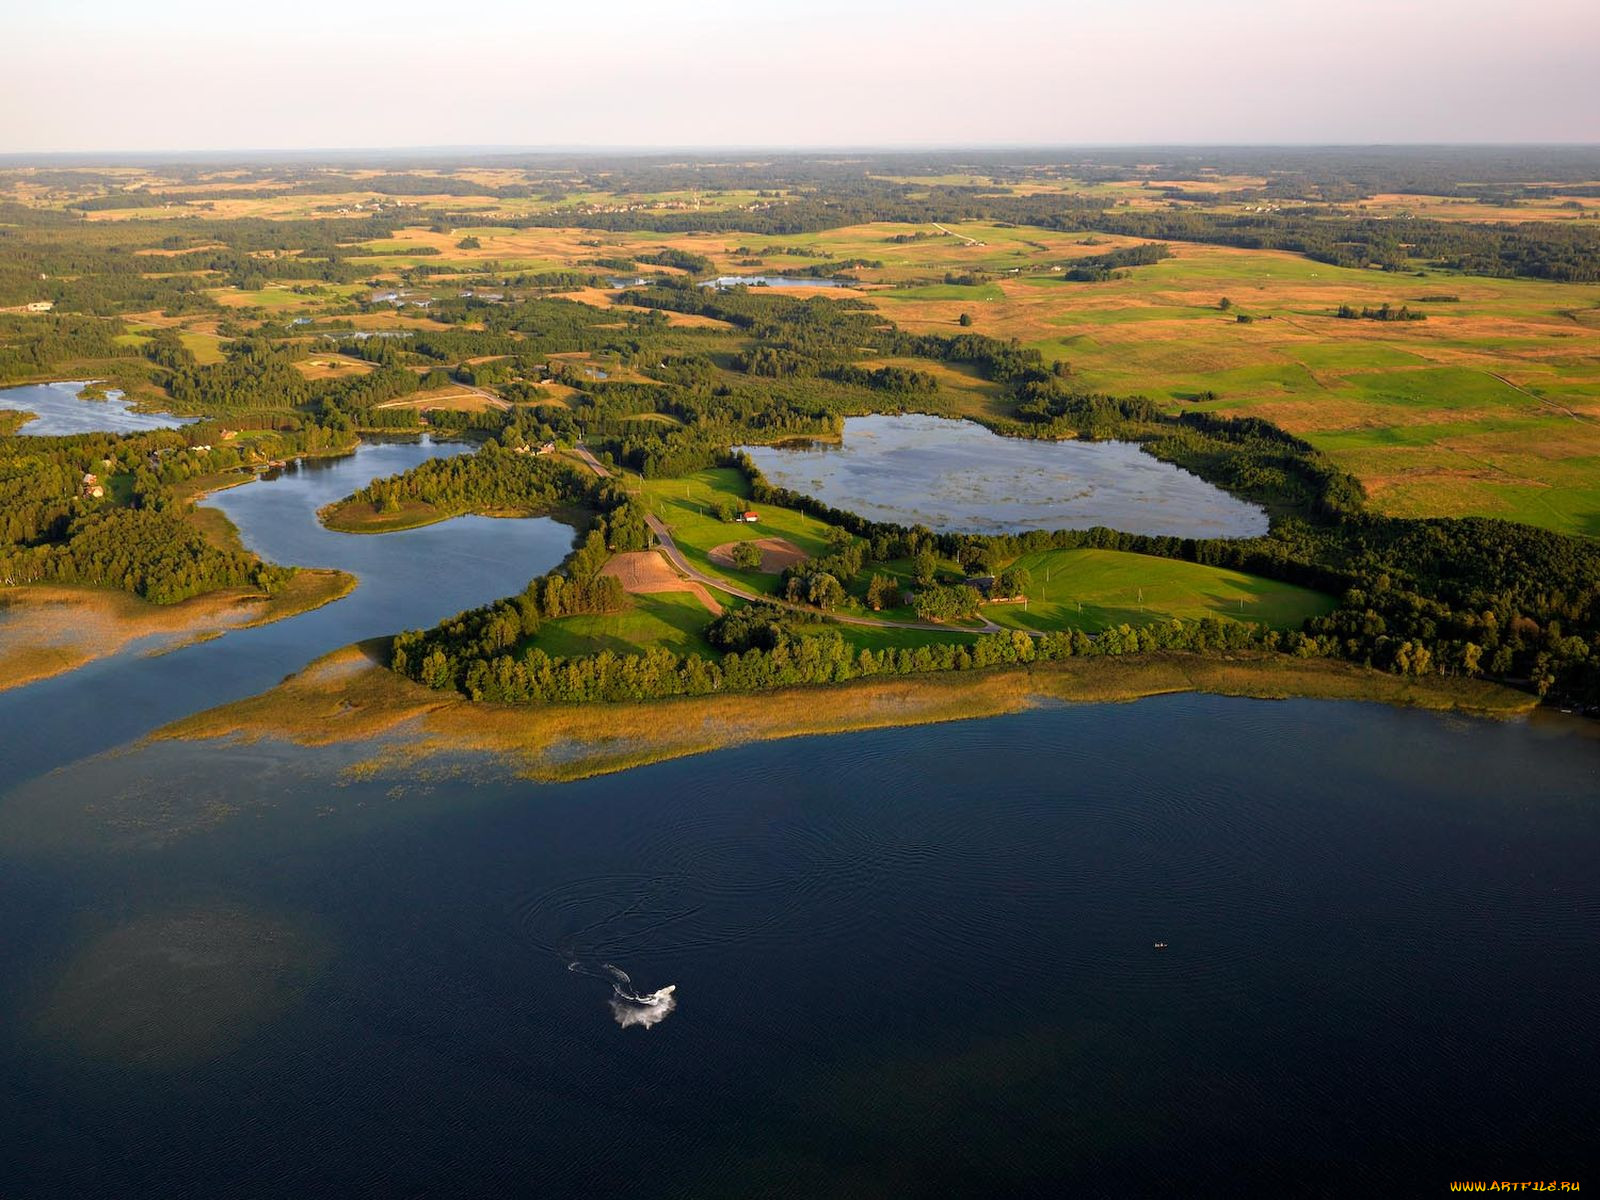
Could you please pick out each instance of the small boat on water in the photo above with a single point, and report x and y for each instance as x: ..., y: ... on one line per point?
x: 1161, y: 945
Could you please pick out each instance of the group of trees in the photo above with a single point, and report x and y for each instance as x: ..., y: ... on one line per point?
x: 466, y: 652
x: 1097, y: 268
x: 763, y: 651
x: 30, y: 346
x: 51, y: 532
x: 493, y: 479
x: 823, y: 581
x: 1384, y: 312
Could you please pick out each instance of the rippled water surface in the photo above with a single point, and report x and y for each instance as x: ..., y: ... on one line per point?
x: 58, y: 410
x: 910, y: 962
x: 958, y: 476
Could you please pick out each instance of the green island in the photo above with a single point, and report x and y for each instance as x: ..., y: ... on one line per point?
x: 1415, y: 419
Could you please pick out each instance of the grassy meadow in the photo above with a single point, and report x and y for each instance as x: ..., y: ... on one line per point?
x: 1490, y: 406
x: 687, y: 505
x: 670, y: 620
x: 1096, y: 589
x: 1071, y: 589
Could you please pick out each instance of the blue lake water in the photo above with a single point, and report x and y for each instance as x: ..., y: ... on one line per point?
x: 958, y: 476
x: 904, y: 963
x: 407, y: 580
x: 907, y: 963
x: 60, y: 411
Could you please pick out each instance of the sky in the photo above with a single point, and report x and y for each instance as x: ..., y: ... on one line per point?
x: 182, y: 75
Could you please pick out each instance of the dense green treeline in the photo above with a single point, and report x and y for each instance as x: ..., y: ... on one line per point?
x: 153, y: 554
x: 52, y: 531
x: 442, y: 658
x: 493, y: 479
x: 1096, y: 268
x: 1567, y: 253
x: 30, y: 346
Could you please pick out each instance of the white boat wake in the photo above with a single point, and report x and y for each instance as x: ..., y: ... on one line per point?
x: 629, y: 1007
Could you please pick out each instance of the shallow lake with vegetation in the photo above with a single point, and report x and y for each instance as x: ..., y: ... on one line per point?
x: 62, y: 408
x: 958, y: 476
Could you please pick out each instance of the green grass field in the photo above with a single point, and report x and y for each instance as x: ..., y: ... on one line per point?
x: 1490, y: 406
x: 686, y: 505
x: 673, y: 620
x: 1096, y: 589
x: 1071, y: 589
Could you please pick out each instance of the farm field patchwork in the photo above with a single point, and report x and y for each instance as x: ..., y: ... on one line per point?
x: 1490, y: 406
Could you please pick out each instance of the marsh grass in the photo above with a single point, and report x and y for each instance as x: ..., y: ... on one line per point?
x: 348, y: 696
x: 49, y: 630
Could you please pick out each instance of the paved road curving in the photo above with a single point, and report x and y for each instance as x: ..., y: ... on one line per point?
x: 690, y: 571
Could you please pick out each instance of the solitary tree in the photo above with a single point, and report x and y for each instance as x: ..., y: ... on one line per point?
x: 881, y: 593
x: 1013, y: 581
x: 964, y: 320
x: 825, y: 591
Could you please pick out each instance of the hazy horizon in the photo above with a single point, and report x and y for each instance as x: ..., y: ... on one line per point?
x: 178, y: 77
x: 468, y: 151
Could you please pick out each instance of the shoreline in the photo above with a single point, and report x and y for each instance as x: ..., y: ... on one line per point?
x: 50, y: 629
x: 350, y: 696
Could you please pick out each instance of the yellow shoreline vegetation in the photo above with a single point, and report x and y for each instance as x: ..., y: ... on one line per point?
x: 348, y: 696
x: 47, y: 630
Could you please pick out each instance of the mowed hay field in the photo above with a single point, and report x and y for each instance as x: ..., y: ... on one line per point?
x: 1096, y: 589
x: 666, y: 620
x: 1490, y: 406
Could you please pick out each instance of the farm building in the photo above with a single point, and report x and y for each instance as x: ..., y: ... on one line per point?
x: 749, y: 518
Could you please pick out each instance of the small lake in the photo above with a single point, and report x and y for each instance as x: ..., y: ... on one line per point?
x: 408, y: 580
x: 777, y: 281
x: 957, y: 476
x: 60, y: 410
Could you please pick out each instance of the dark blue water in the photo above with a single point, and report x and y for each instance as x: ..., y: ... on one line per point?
x: 58, y: 411
x: 907, y: 963
x: 916, y: 469
x: 406, y: 580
